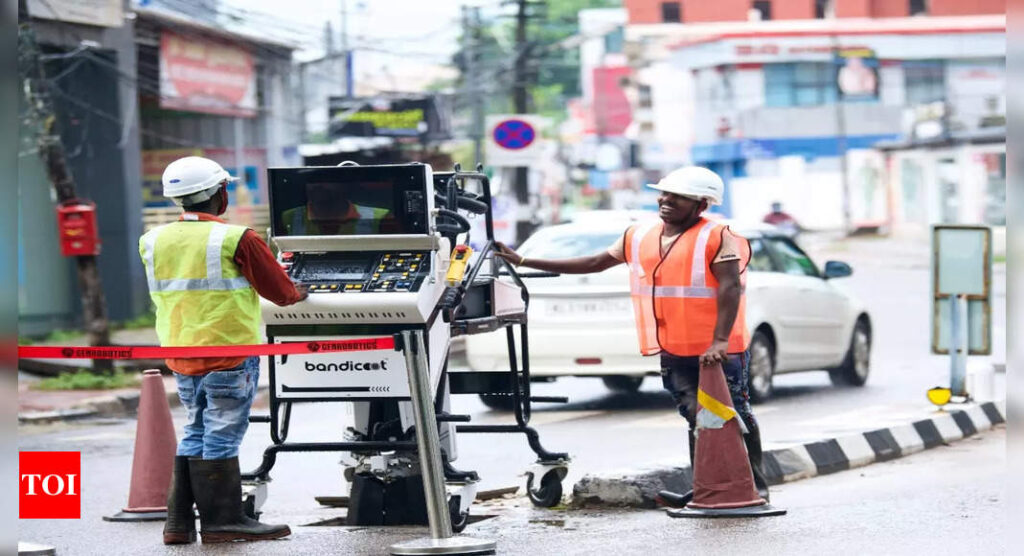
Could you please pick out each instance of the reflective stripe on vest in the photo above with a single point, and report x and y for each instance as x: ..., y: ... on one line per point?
x: 676, y: 307
x: 696, y: 288
x: 214, y: 271
x: 200, y: 295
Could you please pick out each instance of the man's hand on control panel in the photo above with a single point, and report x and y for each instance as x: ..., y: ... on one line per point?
x: 303, y: 290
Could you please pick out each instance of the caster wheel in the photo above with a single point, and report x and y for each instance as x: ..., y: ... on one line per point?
x: 459, y: 519
x: 548, y: 494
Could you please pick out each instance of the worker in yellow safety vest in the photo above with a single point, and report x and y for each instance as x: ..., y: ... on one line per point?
x: 205, y: 278
x: 687, y: 276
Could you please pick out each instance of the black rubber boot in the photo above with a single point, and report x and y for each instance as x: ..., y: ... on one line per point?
x: 670, y: 499
x: 753, y: 442
x: 180, y: 527
x: 217, y: 486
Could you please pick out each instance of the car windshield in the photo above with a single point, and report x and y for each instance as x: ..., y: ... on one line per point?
x: 570, y: 242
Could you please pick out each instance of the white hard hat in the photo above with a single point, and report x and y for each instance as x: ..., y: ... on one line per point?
x: 193, y: 179
x: 693, y: 181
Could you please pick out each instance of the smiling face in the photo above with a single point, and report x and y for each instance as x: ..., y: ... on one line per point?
x: 679, y: 210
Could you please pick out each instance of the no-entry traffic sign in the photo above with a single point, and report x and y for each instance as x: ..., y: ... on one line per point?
x: 514, y: 139
x: 514, y: 134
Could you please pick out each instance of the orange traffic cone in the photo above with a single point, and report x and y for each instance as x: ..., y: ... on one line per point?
x: 723, y: 483
x: 155, y: 446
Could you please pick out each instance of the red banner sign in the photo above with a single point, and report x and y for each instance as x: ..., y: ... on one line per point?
x: 201, y: 75
x: 155, y: 352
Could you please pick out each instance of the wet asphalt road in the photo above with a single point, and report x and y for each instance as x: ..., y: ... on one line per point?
x: 926, y: 503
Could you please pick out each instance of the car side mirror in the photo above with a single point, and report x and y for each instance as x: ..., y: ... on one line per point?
x: 837, y: 269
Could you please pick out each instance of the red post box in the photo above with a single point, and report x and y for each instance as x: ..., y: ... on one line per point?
x: 76, y: 228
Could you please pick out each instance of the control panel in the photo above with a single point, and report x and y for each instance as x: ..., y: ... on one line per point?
x: 358, y: 272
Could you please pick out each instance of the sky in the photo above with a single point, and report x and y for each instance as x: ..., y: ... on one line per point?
x: 392, y: 35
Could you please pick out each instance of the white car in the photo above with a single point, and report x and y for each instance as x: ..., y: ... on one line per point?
x: 582, y: 325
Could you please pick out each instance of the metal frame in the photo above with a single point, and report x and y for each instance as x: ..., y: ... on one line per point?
x: 985, y: 297
x: 519, y: 377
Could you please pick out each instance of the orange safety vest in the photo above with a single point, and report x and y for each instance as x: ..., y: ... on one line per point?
x: 675, y: 296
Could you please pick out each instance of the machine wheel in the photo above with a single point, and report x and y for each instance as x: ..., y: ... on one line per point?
x: 857, y: 365
x: 459, y: 519
x: 500, y: 403
x: 762, y: 367
x: 549, y: 494
x: 622, y: 383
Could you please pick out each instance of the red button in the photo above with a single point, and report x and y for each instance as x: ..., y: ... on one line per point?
x: 461, y: 248
x: 287, y: 256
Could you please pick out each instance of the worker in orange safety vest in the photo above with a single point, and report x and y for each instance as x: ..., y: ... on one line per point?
x: 687, y: 276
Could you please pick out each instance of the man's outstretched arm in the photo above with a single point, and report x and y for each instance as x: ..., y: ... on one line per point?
x: 575, y: 265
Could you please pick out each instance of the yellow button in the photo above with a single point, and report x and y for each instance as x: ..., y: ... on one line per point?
x: 405, y: 274
x: 376, y: 275
x: 359, y: 286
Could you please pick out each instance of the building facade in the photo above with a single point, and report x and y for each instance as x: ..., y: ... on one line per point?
x: 779, y: 108
x: 769, y: 94
x: 135, y: 85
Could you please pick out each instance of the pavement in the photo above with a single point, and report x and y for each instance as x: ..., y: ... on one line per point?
x: 947, y: 501
x: 637, y: 486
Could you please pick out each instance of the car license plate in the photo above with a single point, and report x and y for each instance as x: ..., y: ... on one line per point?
x: 586, y: 307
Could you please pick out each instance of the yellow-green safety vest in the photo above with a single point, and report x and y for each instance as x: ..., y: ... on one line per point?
x: 201, y: 297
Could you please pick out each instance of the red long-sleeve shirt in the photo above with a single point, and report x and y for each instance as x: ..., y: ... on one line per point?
x: 260, y: 268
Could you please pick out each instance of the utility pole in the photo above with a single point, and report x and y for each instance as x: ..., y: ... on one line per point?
x: 471, y: 80
x: 840, y: 116
x: 520, y: 102
x: 51, y: 151
x: 345, y: 49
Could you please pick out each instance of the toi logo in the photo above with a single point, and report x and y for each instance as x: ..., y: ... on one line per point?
x: 50, y: 485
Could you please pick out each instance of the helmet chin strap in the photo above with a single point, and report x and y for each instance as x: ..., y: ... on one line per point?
x: 223, y: 200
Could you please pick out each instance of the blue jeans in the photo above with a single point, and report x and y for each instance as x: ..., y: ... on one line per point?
x: 218, y: 405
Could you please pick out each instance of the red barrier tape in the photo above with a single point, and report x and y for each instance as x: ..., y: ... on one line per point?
x: 154, y: 352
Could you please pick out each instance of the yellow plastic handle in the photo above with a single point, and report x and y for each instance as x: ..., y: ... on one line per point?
x: 457, y: 268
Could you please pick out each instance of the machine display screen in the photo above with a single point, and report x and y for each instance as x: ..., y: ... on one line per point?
x: 348, y: 200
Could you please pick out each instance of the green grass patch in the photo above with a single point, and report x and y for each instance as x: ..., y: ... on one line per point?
x: 88, y: 380
x: 63, y: 335
x: 146, y: 320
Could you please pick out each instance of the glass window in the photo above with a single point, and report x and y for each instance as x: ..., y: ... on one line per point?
x: 821, y: 9
x: 613, y: 41
x: 799, y: 84
x: 671, y: 12
x: 760, y: 261
x: 924, y: 81
x: 792, y: 259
